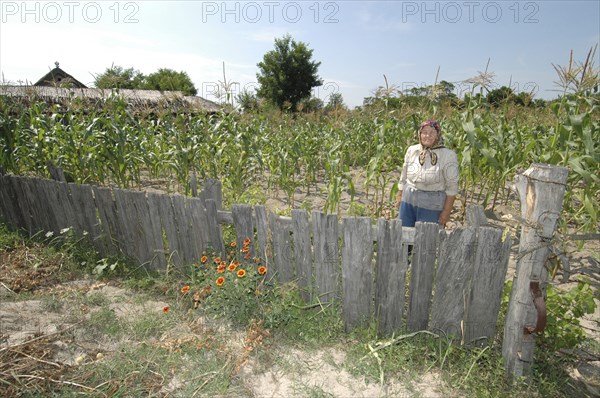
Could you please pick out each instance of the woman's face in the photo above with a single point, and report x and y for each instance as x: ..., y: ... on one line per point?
x: 429, y: 136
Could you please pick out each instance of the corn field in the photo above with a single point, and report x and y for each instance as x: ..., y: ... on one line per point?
x: 111, y: 144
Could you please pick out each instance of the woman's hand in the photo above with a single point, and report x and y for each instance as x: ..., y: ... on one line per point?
x: 444, y: 218
x: 445, y: 214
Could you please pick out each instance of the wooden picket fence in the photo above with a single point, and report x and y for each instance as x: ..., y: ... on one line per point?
x: 451, y: 283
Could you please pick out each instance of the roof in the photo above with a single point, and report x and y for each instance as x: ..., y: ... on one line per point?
x: 134, y: 97
x: 59, y: 78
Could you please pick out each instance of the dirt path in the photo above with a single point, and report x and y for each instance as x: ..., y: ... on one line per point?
x: 53, y: 335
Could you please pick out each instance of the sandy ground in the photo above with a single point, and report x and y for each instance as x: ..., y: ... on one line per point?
x: 296, y: 373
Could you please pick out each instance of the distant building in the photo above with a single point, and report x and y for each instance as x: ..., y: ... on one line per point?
x: 59, y: 78
x: 58, y: 86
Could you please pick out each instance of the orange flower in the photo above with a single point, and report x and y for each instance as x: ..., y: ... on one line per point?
x: 262, y: 270
x: 166, y: 309
x: 203, y: 259
x: 233, y: 244
x: 247, y: 241
x: 221, y: 269
x: 232, y: 267
x: 241, y: 273
x: 223, y: 264
x: 220, y: 281
x: 247, y: 256
x: 185, y: 289
x: 245, y: 249
x: 217, y: 260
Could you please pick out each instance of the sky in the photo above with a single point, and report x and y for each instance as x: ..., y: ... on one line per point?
x: 360, y: 44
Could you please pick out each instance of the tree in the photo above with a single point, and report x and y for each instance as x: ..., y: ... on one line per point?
x: 336, y: 101
x: 287, y: 74
x: 500, y: 95
x: 118, y: 77
x: 169, y: 80
x: 247, y: 101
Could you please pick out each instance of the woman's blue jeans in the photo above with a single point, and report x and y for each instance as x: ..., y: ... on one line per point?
x: 410, y: 214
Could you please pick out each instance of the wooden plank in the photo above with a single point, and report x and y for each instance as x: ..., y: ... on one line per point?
x: 12, y: 210
x: 302, y: 251
x: 84, y: 208
x: 212, y: 190
x: 264, y: 241
x: 244, y: 228
x: 214, y: 229
x: 131, y: 239
x: 161, y: 204
x: 198, y: 226
x: 475, y: 217
x: 327, y: 258
x: 491, y: 263
x: 282, y: 250
x: 390, y: 276
x: 422, y: 270
x: 68, y: 210
x: 107, y: 211
x: 357, y: 272
x: 57, y: 219
x: 184, y: 231
x: 148, y: 234
x: 4, y: 203
x: 41, y: 214
x: 453, y: 277
x: 24, y: 202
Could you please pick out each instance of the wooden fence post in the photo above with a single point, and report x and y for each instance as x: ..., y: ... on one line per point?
x: 541, y: 190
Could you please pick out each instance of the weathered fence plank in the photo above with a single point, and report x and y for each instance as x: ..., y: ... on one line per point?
x: 216, y: 239
x: 282, y: 249
x: 302, y: 251
x: 148, y: 233
x: 134, y: 242
x: 453, y: 276
x: 184, y: 231
x: 327, y: 258
x: 262, y: 231
x: 212, y: 190
x: 198, y: 226
x: 244, y: 227
x: 107, y: 211
x: 489, y: 274
x: 10, y: 201
x: 390, y: 276
x: 6, y: 213
x: 161, y: 207
x: 422, y: 269
x: 357, y: 271
x: 37, y: 208
x: 68, y: 211
x: 84, y: 208
x: 49, y: 191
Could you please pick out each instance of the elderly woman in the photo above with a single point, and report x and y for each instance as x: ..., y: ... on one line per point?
x: 429, y: 181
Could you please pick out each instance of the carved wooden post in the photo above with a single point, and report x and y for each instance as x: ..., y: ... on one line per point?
x: 541, y: 190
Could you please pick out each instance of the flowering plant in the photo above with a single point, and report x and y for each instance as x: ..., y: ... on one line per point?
x: 234, y: 288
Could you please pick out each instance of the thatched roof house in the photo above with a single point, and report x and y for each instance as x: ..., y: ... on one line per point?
x: 57, y: 86
x: 59, y: 78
